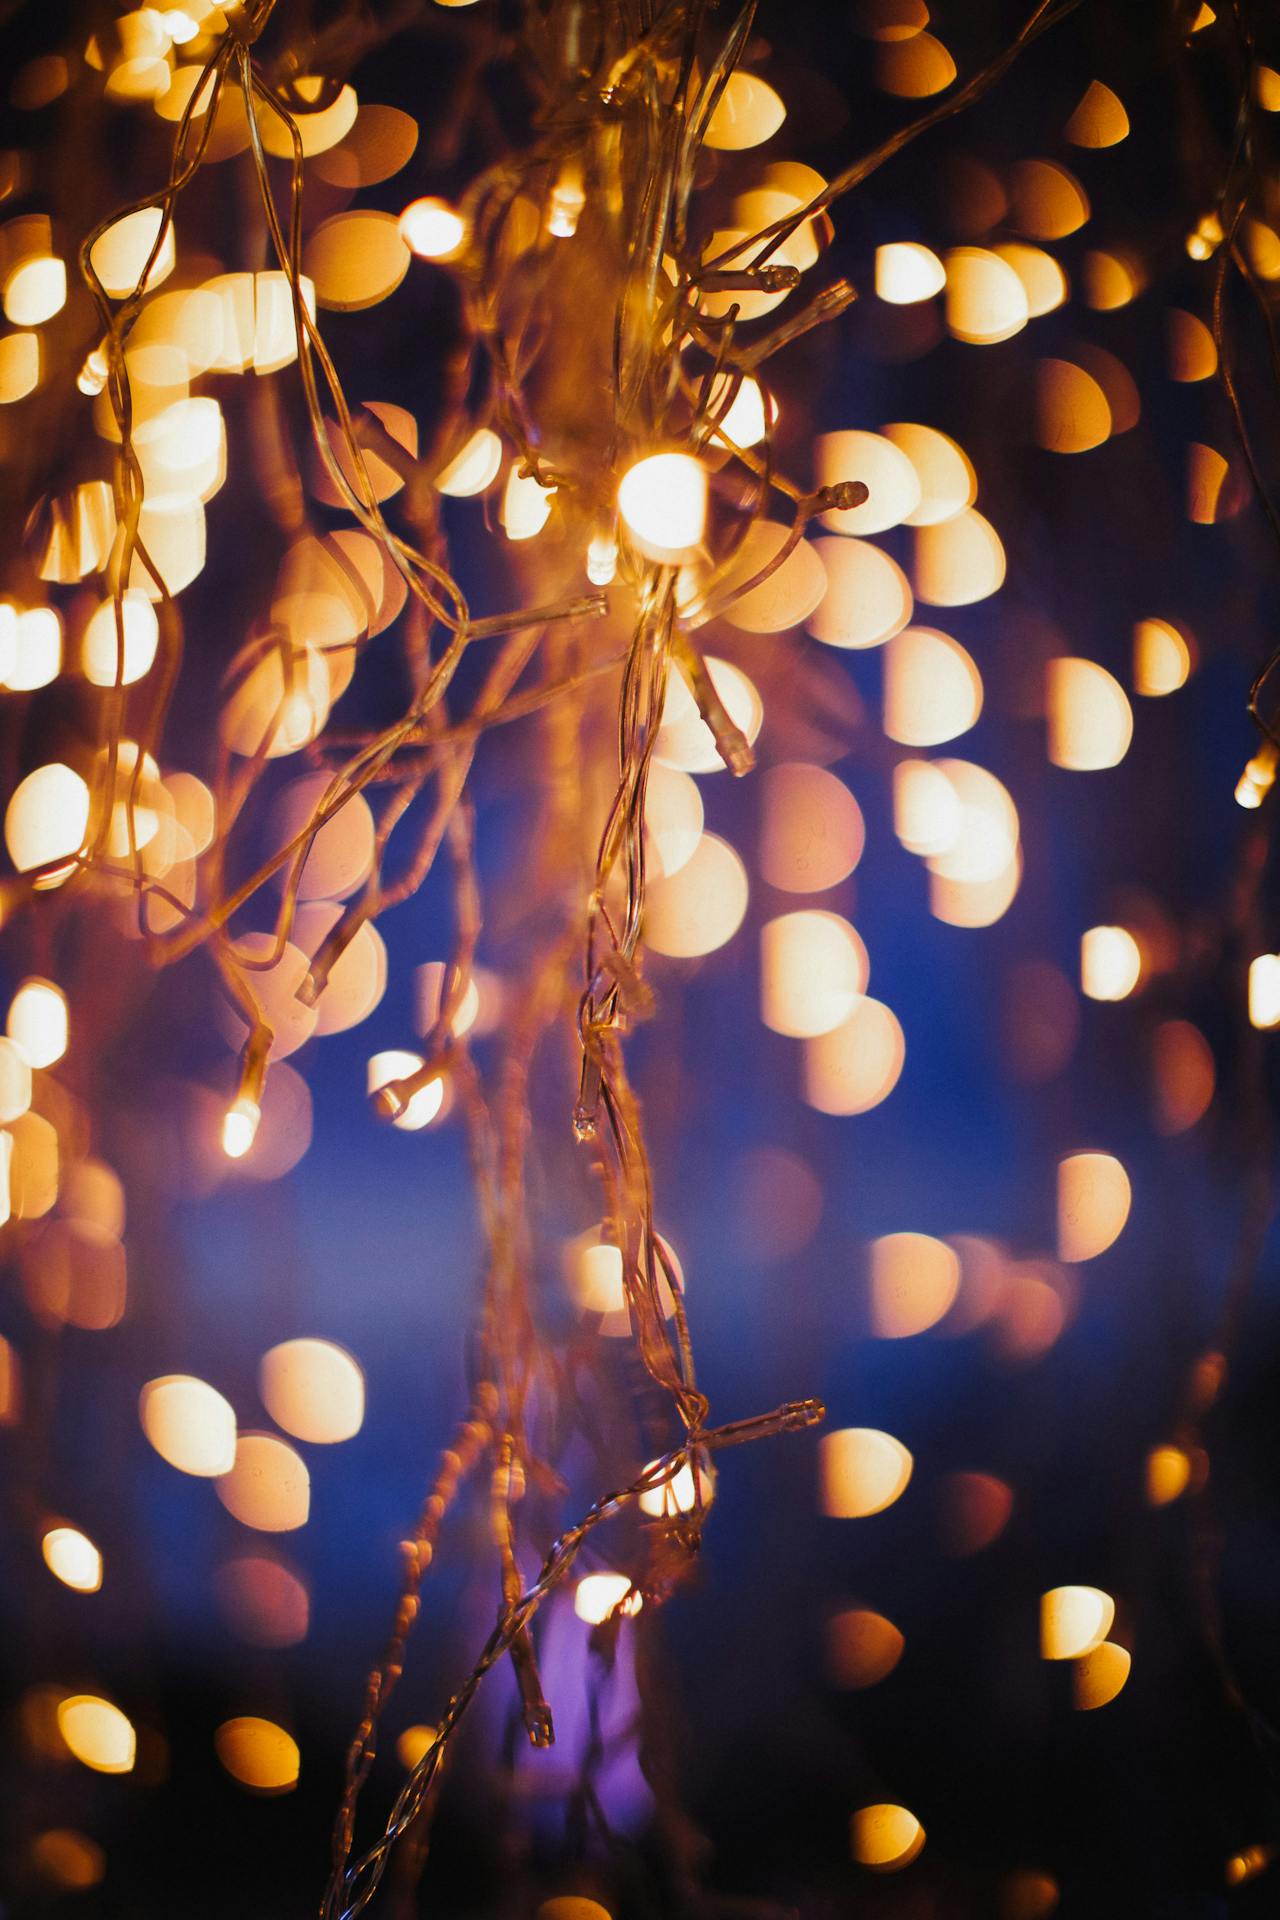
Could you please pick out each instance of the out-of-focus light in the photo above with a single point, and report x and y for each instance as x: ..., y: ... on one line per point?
x: 414, y: 1744
x: 35, y: 290
x: 1184, y: 1076
x: 1258, y: 778
x: 15, y: 1082
x: 72, y: 1558
x: 267, y: 1486
x: 862, y: 1648
x: 1094, y: 1197
x: 1251, y: 1861
x: 907, y: 272
x: 663, y: 500
x: 813, y: 832
x: 432, y: 229
x: 526, y: 506
x: 867, y: 598
x: 1205, y: 238
x: 1192, y: 353
x: 38, y: 650
x: 567, y: 200
x: 1098, y: 1676
x: 97, y: 1733
x: 38, y: 1023
x: 699, y: 908
x: 914, y: 1282
x: 1048, y: 201
x: 602, y: 559
x: 189, y: 1424
x: 356, y: 259
x: 474, y: 468
x: 240, y: 1126
x: 394, y: 1063
x: 47, y: 818
x: 914, y: 69
x: 1100, y: 119
x: 1168, y: 1475
x: 313, y: 1390
x: 948, y: 483
x: 886, y: 1837
x: 986, y: 301
x: 1264, y: 991
x: 19, y: 366
x: 927, y: 812
x: 1073, y: 1621
x: 105, y: 663
x: 69, y: 1859
x: 857, y: 1065
x: 681, y: 1492
x: 958, y: 561
x: 893, y: 485
x: 119, y: 256
x: 747, y: 113
x: 1109, y: 281
x: 932, y: 688
x: 1161, y: 658
x: 597, y: 1595
x: 862, y: 1471
x: 746, y: 421
x: 1090, y: 719
x: 264, y: 1603
x: 1072, y: 414
x: 259, y: 1754
x: 813, y: 971
x: 1110, y: 963
x: 976, y: 1508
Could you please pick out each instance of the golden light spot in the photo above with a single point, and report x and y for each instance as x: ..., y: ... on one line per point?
x: 35, y: 289
x: 1043, y: 280
x: 1162, y: 658
x: 69, y: 1859
x: 1073, y: 1621
x: 892, y: 483
x: 885, y: 1837
x: 744, y: 422
x: 474, y: 468
x: 914, y: 69
x: 914, y: 1282
x: 685, y: 741
x: 751, y: 303
x: 813, y: 971
x: 1099, y: 1676
x: 1027, y: 1895
x: 119, y: 256
x: 105, y: 662
x: 786, y: 597
x: 341, y: 853
x: 1090, y: 719
x: 926, y: 808
x: 1072, y: 414
x: 1110, y: 963
x: 1192, y: 353
x: 892, y: 19
x: 173, y: 533
x: 313, y: 1390
x: 1100, y: 119
x: 37, y: 1023
x: 681, y: 1492
x: 1184, y: 1076
x: 986, y: 300
x: 863, y: 1648
x: 47, y: 819
x: 867, y: 598
x: 932, y: 688
x: 857, y: 1065
x: 1168, y: 1475
x: 93, y: 1197
x: 907, y: 272
x: 976, y: 1509
x: 598, y: 1595
x: 701, y: 907
x: 1109, y: 281
x: 862, y: 1471
x: 747, y: 113
x: 189, y: 1424
x: 319, y: 129
x: 356, y: 259
x: 1264, y: 991
x: 19, y: 366
x: 1262, y: 244
x: 414, y: 1744
x: 268, y: 1486
x: 1266, y: 88
x: 382, y: 141
x: 15, y: 1081
x: 31, y: 1149
x: 264, y: 1603
x: 1048, y: 201
x: 572, y: 1907
x: 948, y: 483
x: 673, y: 817
x: 259, y: 1754
x: 986, y: 842
x: 98, y: 1734
x: 1251, y: 1861
x: 958, y: 561
x: 72, y: 1558
x: 663, y: 500
x: 1208, y: 497
x: 1094, y: 1197
x: 279, y: 706
x: 526, y: 505
x: 395, y: 1063
x: 812, y: 834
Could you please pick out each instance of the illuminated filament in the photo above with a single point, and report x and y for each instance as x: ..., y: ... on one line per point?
x: 568, y: 198
x: 240, y: 1127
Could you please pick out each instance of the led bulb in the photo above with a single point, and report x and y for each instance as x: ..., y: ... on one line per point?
x: 240, y: 1127
x: 663, y: 500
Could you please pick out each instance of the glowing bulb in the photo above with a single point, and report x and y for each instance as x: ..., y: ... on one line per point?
x: 602, y: 559
x: 37, y: 1022
x: 1110, y: 963
x: 432, y: 229
x: 568, y: 198
x: 98, y: 1734
x: 597, y: 1595
x: 663, y: 500
x: 907, y: 272
x: 1264, y: 991
x: 747, y: 419
x: 105, y: 664
x: 422, y: 1106
x: 240, y: 1127
x: 47, y: 818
